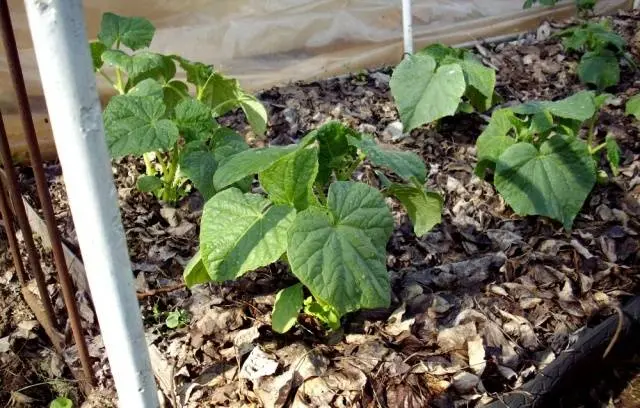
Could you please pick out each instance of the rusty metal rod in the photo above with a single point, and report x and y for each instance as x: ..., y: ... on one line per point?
x: 15, y: 69
x: 7, y: 217
x: 23, y: 222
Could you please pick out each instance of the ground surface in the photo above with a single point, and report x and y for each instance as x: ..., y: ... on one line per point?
x: 533, y: 285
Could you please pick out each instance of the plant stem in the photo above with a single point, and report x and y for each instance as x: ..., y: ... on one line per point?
x: 169, y: 177
x: 119, y: 87
x: 591, y: 131
x: 105, y: 76
x: 597, y: 148
x: 148, y: 164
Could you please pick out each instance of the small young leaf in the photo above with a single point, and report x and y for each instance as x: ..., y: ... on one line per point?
x: 133, y: 32
x: 286, y: 308
x: 148, y: 87
x: 138, y: 66
x: 255, y: 112
x: 197, y: 72
x: 404, y: 164
x: 440, y: 52
x: 193, y: 119
x: 134, y: 125
x: 553, y: 181
x: 221, y: 93
x: 339, y: 253
x: 97, y: 49
x: 248, y: 163
x: 480, y: 77
x: 199, y: 166
x: 633, y: 106
x: 494, y: 140
x: 423, y: 93
x: 148, y: 184
x: 600, y: 69
x: 195, y: 272
x: 290, y: 179
x: 613, y: 154
x: 242, y: 232
x: 323, y: 312
x: 61, y: 402
x: 424, y: 208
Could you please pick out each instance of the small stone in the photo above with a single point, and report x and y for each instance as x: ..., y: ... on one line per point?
x: 394, y: 131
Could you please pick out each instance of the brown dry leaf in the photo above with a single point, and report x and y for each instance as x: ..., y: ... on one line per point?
x: 521, y: 328
x: 370, y: 354
x: 395, y: 325
x: 218, y: 321
x: 258, y: 364
x: 314, y: 393
x: 345, y: 377
x: 465, y: 382
x: 243, y: 340
x: 455, y: 338
x: 274, y: 392
x: 476, y: 353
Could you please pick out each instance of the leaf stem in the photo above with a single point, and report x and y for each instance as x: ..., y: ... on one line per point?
x: 148, y: 164
x: 591, y: 131
x: 105, y: 76
x: 597, y: 148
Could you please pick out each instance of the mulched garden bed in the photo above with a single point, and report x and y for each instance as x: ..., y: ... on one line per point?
x: 480, y: 304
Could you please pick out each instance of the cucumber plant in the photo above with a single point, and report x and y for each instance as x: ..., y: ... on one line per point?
x: 331, y: 231
x: 440, y: 81
x: 601, y: 49
x: 541, y: 164
x: 582, y: 6
x: 169, y: 122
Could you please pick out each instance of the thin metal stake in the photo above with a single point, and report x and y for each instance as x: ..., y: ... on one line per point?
x: 11, y: 235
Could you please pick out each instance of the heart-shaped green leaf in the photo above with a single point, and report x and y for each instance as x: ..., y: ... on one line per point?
x: 599, y: 68
x: 339, y: 253
x: 494, y: 140
x: 242, y: 232
x: 193, y: 119
x: 134, y: 32
x: 286, y: 308
x: 135, y: 125
x: 553, y: 181
x: 423, y: 93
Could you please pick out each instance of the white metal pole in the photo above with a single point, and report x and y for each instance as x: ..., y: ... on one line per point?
x: 62, y: 53
x: 407, y: 26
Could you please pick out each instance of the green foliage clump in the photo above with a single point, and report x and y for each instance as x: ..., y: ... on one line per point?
x: 330, y: 230
x: 541, y: 165
x: 168, y: 121
x: 440, y: 81
x: 582, y: 6
x: 601, y: 49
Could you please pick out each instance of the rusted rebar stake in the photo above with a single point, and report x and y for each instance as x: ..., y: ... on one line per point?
x: 23, y: 222
x: 15, y: 69
x: 7, y: 217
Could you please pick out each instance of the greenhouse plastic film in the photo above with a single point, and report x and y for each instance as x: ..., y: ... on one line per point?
x: 266, y: 43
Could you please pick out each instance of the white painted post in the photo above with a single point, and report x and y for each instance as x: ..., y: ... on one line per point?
x: 66, y: 71
x: 407, y: 26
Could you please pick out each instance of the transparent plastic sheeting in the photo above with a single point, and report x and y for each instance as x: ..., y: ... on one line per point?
x: 271, y: 42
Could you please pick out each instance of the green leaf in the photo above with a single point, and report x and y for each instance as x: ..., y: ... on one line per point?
x: 482, y: 78
x: 148, y: 184
x: 633, y: 106
x: 134, y: 32
x: 335, y: 149
x: 195, y: 272
x: 339, y: 253
x: 286, y: 308
x: 137, y: 66
x: 290, y: 179
x: 440, y: 52
x: 174, y: 92
x: 242, y: 232
x: 494, y: 140
x: 255, y: 112
x: 221, y: 93
x: 553, y: 181
x: 404, y: 164
x: 600, y: 69
x: 97, y: 49
x: 199, y: 166
x: 424, y: 208
x: 148, y: 87
x: 61, y: 402
x: 613, y: 153
x: 193, y: 119
x: 423, y: 93
x: 197, y: 72
x: 135, y: 125
x: 248, y: 163
x: 323, y: 312
x: 579, y: 106
x: 226, y: 143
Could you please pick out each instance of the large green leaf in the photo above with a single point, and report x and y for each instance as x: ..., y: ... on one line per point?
x: 227, y: 142
x: 195, y: 272
x: 193, y: 119
x: 478, y: 76
x: 221, y: 93
x: 579, y: 106
x: 135, y: 125
x: 148, y: 87
x: 339, y: 253
x: 553, y: 181
x: 632, y: 106
x: 423, y: 93
x: 286, y: 308
x: 199, y: 166
x: 134, y: 32
x: 248, y: 163
x: 197, y: 72
x: 290, y: 179
x: 424, y: 208
x: 404, y: 164
x: 242, y: 232
x: 174, y: 91
x: 494, y: 140
x: 600, y: 69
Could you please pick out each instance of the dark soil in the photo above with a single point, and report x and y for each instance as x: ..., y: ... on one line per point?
x: 536, y: 286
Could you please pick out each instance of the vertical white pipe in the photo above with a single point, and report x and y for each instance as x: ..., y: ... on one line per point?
x: 407, y: 26
x: 66, y: 71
